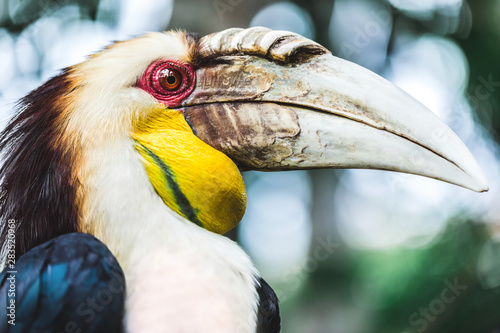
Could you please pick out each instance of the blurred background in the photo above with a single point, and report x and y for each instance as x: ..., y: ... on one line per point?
x: 346, y: 251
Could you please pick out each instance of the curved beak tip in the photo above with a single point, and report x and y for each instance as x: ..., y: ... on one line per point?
x: 481, y: 182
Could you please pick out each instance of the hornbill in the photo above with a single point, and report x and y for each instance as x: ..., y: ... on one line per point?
x: 136, y: 154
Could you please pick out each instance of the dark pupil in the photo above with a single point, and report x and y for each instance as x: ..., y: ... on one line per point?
x: 171, y: 79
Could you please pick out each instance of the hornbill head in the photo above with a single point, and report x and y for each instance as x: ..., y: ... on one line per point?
x: 189, y: 114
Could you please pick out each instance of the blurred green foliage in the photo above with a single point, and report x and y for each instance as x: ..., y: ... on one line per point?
x: 482, y: 49
x: 435, y: 289
x: 16, y: 15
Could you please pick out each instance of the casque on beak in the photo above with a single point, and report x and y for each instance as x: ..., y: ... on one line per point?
x: 299, y: 107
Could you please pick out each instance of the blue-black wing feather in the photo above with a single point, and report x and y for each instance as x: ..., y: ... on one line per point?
x: 268, y: 313
x: 71, y: 283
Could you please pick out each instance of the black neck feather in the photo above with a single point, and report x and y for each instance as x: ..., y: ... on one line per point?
x: 38, y: 188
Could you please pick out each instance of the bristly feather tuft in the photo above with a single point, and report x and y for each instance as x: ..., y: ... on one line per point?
x: 38, y: 187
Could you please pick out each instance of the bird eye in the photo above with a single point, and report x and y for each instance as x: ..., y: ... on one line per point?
x: 170, y: 79
x: 170, y: 82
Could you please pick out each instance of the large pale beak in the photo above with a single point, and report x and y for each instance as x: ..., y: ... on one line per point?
x: 293, y: 105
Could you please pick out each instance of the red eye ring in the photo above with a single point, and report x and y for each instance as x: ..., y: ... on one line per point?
x: 169, y: 81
